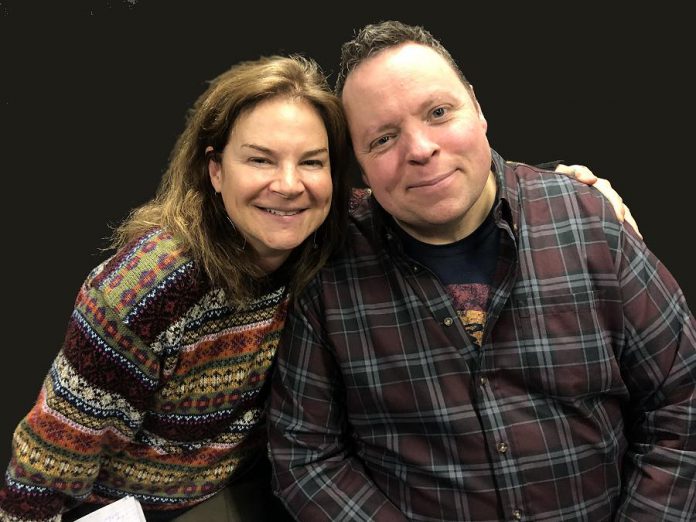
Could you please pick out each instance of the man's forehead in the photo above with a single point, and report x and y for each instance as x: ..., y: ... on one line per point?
x: 407, y: 61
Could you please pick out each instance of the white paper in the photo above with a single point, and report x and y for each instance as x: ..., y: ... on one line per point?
x: 126, y: 509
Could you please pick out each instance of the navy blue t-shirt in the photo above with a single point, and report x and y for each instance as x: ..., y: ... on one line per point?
x: 465, y: 268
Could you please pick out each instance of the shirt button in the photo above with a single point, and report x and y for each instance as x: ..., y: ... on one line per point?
x: 448, y: 321
x: 502, y: 447
x: 483, y: 380
x: 416, y: 268
x: 517, y: 514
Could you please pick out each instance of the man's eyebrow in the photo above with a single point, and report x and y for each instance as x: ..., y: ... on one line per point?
x: 382, y: 128
x: 434, y: 98
x: 375, y: 131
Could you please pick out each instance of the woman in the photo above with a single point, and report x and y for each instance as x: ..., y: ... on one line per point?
x: 158, y: 391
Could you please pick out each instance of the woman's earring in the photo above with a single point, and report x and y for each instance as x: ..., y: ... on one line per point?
x: 231, y: 222
x: 237, y: 231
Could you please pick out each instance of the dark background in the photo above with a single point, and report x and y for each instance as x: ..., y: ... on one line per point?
x: 92, y: 97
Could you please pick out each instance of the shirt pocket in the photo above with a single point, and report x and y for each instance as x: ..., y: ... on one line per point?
x: 563, y: 348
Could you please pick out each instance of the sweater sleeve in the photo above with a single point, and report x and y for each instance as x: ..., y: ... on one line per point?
x: 93, y: 397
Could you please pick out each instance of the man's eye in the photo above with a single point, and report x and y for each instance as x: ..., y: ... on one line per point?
x: 382, y: 140
x: 439, y: 112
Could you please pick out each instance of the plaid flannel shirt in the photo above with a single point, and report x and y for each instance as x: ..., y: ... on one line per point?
x: 579, y: 405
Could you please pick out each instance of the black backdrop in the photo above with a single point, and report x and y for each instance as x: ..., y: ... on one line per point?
x: 93, y: 95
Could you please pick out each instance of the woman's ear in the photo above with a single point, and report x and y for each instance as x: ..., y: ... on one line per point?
x: 214, y: 169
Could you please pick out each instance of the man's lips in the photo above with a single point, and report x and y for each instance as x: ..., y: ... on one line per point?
x: 431, y: 182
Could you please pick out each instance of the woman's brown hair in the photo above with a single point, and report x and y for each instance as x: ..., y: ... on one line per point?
x: 186, y: 204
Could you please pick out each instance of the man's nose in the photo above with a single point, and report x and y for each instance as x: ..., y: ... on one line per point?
x: 420, y: 146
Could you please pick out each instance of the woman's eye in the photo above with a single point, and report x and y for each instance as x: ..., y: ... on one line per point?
x: 314, y: 163
x: 260, y: 161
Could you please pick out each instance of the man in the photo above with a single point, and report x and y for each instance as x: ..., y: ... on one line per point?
x: 492, y: 344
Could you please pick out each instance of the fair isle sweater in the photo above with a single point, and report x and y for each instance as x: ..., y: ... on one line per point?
x: 158, y: 391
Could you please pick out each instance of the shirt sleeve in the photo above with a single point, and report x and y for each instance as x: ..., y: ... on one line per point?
x: 315, y: 473
x: 93, y: 397
x: 658, y: 365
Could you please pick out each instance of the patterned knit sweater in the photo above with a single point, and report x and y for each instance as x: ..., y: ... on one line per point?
x: 158, y: 391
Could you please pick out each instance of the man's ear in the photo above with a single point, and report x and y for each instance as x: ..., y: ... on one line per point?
x: 214, y: 168
x: 482, y: 118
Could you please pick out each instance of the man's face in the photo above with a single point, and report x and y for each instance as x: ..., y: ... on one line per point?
x: 420, y: 139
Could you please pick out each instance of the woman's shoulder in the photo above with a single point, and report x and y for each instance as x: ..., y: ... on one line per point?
x: 151, y: 254
x: 153, y: 264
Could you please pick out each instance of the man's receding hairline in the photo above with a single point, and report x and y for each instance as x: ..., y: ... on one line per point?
x: 379, y: 51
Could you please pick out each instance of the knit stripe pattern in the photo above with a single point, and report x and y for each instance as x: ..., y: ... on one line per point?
x: 157, y: 392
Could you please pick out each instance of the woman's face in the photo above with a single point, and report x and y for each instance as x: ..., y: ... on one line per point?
x: 275, y: 177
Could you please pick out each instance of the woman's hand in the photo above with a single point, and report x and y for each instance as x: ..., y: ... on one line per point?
x: 585, y: 175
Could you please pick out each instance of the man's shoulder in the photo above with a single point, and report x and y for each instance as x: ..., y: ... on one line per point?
x: 551, y: 201
x: 526, y: 172
x: 365, y: 219
x: 361, y: 245
x: 529, y: 184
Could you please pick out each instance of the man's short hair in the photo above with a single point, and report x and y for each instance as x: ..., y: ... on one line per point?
x: 374, y: 38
